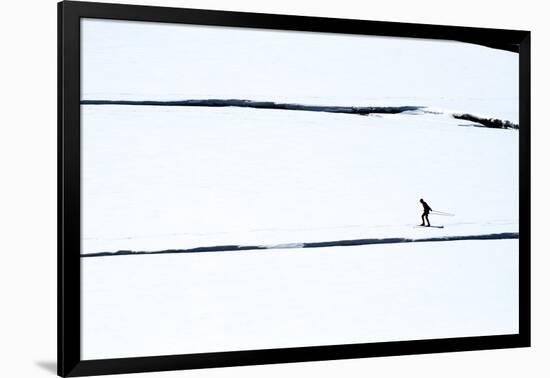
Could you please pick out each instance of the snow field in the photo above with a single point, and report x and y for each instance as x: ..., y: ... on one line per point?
x: 206, y: 302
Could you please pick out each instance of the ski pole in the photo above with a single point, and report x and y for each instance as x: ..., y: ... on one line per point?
x: 437, y: 212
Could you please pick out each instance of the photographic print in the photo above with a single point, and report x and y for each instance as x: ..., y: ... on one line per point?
x: 252, y: 189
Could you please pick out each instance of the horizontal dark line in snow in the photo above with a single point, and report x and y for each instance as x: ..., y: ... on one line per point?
x: 493, y: 123
x: 361, y: 110
x: 337, y: 243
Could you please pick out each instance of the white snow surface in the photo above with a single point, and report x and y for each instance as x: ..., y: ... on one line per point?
x: 207, y: 302
x: 161, y: 178
x: 157, y: 61
x: 156, y: 178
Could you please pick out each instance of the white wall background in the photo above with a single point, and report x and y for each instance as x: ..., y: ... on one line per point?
x: 28, y: 190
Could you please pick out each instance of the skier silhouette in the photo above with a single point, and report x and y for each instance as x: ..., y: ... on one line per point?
x: 426, y: 212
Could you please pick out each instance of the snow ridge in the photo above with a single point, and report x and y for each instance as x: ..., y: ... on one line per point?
x: 487, y: 122
x: 361, y: 110
x: 358, y: 110
x: 353, y: 242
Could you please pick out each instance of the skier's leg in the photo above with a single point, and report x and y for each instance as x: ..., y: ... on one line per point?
x: 422, y: 219
x: 427, y: 220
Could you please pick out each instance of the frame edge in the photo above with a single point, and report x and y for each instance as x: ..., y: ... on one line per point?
x: 69, y: 362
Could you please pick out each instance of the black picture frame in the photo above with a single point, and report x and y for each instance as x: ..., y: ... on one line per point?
x: 69, y: 312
